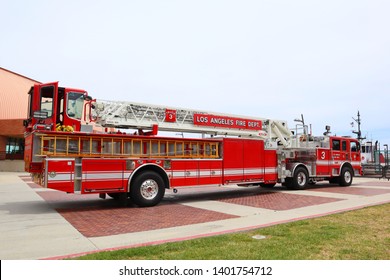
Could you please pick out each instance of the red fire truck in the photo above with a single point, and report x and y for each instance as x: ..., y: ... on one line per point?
x: 72, y: 144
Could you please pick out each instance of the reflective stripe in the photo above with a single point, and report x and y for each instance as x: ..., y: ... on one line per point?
x: 111, y: 175
x: 54, y: 176
x: 322, y: 162
x: 196, y: 173
x: 226, y: 172
x: 270, y: 170
x: 335, y: 162
x: 230, y: 172
x: 89, y: 176
x: 105, y: 175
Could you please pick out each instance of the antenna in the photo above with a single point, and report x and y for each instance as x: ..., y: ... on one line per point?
x: 358, y: 132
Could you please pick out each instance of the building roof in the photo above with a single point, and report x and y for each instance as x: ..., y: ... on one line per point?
x: 13, y: 94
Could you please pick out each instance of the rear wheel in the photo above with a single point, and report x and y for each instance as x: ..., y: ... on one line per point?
x: 346, y: 177
x: 300, y: 179
x: 147, y: 189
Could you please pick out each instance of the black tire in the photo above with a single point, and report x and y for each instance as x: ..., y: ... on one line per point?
x: 346, y: 177
x: 300, y: 179
x: 147, y: 189
x: 288, y: 183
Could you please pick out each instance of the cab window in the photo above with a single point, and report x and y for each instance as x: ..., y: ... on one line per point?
x: 336, y: 145
x: 344, y: 145
x: 354, y: 147
x: 366, y: 149
x: 47, y: 94
x: 75, y: 105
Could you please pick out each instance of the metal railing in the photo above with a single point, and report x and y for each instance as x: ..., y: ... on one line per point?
x: 376, y: 171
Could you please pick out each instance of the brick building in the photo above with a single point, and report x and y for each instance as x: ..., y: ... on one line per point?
x: 13, y: 110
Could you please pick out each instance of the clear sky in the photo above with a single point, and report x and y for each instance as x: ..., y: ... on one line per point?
x: 273, y: 59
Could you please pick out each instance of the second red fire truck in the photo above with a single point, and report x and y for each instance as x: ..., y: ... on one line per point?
x: 72, y: 144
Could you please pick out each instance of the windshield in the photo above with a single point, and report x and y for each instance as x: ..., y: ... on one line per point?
x: 75, y: 105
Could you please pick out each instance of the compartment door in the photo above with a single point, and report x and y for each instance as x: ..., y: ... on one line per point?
x: 59, y: 174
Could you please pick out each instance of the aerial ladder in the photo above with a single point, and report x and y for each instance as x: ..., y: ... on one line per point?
x: 96, y: 133
x: 131, y: 115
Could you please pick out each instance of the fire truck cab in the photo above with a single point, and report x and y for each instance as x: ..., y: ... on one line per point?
x: 51, y: 105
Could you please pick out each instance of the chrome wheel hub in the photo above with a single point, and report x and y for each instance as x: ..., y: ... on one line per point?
x: 301, y: 179
x: 347, y: 177
x: 149, y: 189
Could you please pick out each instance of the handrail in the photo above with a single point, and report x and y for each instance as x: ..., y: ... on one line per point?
x: 106, y: 146
x: 376, y: 171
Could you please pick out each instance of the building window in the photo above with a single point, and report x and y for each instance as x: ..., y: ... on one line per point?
x: 14, y: 148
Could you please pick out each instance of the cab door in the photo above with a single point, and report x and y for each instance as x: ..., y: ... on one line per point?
x: 43, y: 106
x: 59, y: 174
x: 74, y: 105
x: 345, y: 153
x: 337, y: 156
x: 356, y: 156
x: 338, y: 150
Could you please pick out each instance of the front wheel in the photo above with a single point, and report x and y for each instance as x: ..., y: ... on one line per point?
x: 147, y: 189
x: 346, y: 177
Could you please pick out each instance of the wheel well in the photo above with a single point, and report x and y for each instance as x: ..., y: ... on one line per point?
x: 150, y: 167
x: 299, y: 165
x: 348, y: 165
